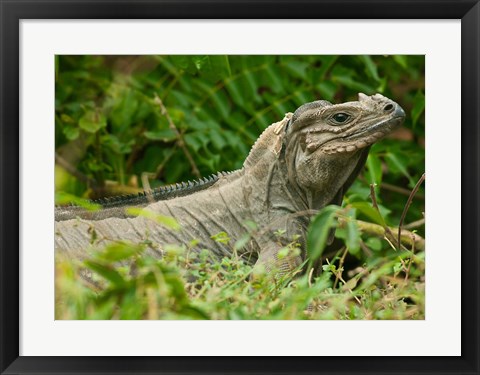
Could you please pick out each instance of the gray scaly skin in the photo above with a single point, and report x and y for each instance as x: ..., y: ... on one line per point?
x: 299, y: 164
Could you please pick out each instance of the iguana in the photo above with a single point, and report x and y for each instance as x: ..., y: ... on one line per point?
x: 302, y: 163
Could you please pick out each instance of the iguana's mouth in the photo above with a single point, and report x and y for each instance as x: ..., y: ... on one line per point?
x: 362, y: 138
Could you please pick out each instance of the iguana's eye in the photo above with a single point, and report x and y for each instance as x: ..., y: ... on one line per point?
x: 340, y: 118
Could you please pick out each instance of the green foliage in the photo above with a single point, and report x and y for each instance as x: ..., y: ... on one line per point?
x: 113, y: 136
x: 166, y: 221
x: 123, y: 281
x: 109, y: 127
x: 319, y: 231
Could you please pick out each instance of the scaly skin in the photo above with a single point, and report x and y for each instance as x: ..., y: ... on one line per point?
x: 299, y: 164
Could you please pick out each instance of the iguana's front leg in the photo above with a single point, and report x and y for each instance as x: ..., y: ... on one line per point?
x: 272, y: 263
x: 282, y: 252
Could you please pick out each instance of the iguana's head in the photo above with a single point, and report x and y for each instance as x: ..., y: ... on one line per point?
x: 325, y: 143
x: 347, y: 127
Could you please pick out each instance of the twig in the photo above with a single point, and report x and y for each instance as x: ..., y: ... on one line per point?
x: 390, y: 243
x: 180, y: 141
x: 394, y: 188
x: 407, y: 237
x: 146, y: 176
x: 72, y: 170
x: 400, y: 190
x: 414, y: 224
x: 310, y: 277
x: 366, y: 227
x: 365, y: 249
x: 163, y: 163
x: 338, y: 274
x: 340, y: 265
x: 407, y: 206
x: 410, y: 262
x: 145, y: 180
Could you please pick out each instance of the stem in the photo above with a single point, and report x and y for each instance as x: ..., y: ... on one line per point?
x: 375, y: 205
x: 407, y: 206
x: 407, y: 238
x: 180, y: 140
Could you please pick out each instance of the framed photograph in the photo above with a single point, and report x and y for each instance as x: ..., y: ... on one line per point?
x: 239, y: 188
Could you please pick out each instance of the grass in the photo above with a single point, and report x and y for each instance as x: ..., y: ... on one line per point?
x: 121, y: 281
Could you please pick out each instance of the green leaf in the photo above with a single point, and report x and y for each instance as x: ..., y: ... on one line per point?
x: 374, y: 169
x: 124, y: 106
x: 319, y: 230
x: 327, y: 89
x: 226, y: 63
x: 326, y: 63
x: 382, y: 85
x: 119, y: 251
x: 374, y: 243
x: 220, y: 65
x: 366, y: 209
x: 418, y: 107
x: 71, y: 132
x: 193, y: 141
x: 400, y: 165
x: 180, y: 61
x: 106, y: 271
x: 130, y: 308
x: 167, y: 221
x: 352, y: 233
x: 217, y: 139
x: 201, y: 62
x: 116, y: 145
x: 165, y: 135
x: 67, y: 119
x: 354, y: 85
x: 62, y: 198
x: 92, y: 121
x: 235, y: 91
x: 397, y: 267
x: 221, y: 237
x: 274, y: 76
x: 297, y: 68
x: 283, y: 253
x: 401, y: 60
x: 301, y: 97
x: 210, y: 67
x: 370, y: 67
x: 219, y: 99
x: 252, y: 85
x: 194, y: 312
x: 242, y: 241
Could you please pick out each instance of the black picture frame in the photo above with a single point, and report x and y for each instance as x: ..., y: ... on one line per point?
x: 12, y: 11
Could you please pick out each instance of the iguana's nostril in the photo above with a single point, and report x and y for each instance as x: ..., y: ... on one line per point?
x: 388, y: 107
